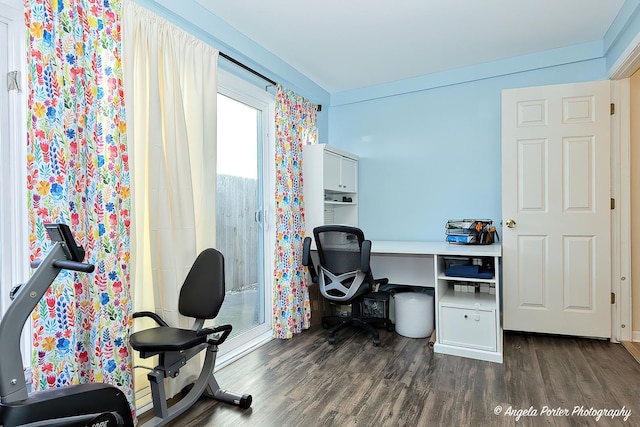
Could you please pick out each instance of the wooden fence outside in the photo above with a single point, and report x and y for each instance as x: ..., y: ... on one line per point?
x: 237, y: 230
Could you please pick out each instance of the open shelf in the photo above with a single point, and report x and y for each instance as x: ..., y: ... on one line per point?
x: 468, y: 299
x: 333, y: 202
x: 465, y: 279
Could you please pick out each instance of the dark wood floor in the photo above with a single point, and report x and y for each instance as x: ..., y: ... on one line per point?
x: 307, y: 382
x: 633, y: 348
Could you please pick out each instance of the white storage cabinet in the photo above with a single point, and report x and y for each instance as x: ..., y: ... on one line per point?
x: 330, y: 180
x: 468, y: 321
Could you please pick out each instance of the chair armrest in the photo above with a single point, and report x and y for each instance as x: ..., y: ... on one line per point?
x: 365, y: 256
x: 307, y: 261
x: 152, y: 315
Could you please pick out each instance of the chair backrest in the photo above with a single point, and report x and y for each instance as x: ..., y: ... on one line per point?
x: 340, y: 275
x: 339, y: 247
x: 202, y: 292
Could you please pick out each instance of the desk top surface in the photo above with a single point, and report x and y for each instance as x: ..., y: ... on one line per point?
x: 433, y: 248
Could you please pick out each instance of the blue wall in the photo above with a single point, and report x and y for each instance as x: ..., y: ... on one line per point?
x: 434, y: 154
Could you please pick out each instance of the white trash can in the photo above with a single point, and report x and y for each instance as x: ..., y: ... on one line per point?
x: 414, y: 314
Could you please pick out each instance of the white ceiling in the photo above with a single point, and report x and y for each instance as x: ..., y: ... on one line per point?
x: 347, y: 44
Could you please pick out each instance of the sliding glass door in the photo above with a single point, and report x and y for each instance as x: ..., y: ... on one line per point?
x: 245, y: 115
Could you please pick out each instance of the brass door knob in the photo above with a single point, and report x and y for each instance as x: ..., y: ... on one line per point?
x: 510, y: 223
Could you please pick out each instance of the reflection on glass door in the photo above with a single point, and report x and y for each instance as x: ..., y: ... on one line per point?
x: 239, y: 231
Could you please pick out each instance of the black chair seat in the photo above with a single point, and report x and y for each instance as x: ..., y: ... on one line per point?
x: 165, y: 339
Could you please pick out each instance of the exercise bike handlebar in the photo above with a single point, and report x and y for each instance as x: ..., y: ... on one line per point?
x: 74, y: 265
x: 82, y: 267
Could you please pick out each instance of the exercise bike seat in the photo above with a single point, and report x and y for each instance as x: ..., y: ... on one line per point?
x: 201, y: 297
x: 155, y: 340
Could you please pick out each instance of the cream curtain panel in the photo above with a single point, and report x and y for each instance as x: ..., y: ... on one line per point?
x: 170, y: 81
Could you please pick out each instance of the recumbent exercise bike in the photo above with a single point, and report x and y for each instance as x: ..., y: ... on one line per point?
x: 104, y: 405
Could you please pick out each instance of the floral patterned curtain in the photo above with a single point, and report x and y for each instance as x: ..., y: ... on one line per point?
x: 78, y: 174
x: 295, y: 126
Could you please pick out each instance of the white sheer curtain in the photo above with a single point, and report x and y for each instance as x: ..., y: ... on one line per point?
x: 171, y: 90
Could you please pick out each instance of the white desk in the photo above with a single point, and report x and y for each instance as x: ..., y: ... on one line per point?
x: 473, y: 326
x: 433, y: 248
x: 413, y: 263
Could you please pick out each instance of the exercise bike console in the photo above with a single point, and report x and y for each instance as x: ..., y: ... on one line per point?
x: 61, y: 233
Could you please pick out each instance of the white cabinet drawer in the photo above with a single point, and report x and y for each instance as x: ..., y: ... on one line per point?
x: 468, y: 327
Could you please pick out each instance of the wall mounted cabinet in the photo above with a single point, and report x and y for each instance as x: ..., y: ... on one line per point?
x: 340, y: 172
x: 330, y: 186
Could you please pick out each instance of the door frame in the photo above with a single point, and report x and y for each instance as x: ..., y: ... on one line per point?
x: 621, y: 283
x: 242, y: 91
x: 621, y: 324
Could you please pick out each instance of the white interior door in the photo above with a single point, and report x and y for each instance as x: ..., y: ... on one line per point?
x: 556, y: 198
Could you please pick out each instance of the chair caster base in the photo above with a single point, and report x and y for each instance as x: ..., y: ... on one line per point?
x: 376, y: 342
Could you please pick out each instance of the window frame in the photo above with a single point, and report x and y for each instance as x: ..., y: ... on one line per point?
x: 14, y: 240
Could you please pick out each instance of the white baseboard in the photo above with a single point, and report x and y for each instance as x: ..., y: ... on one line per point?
x: 635, y: 336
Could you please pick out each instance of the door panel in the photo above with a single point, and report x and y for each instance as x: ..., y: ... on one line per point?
x: 556, y: 175
x: 531, y: 278
x: 245, y: 179
x: 532, y: 175
x: 238, y: 198
x: 578, y: 177
x: 578, y: 281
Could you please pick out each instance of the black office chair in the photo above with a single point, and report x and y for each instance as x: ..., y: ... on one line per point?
x: 344, y: 276
x: 201, y: 297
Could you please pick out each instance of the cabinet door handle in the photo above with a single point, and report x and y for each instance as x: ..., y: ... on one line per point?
x: 465, y: 316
